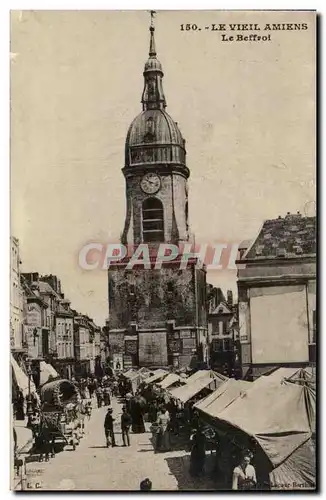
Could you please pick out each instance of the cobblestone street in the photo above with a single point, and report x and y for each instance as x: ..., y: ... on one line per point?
x: 93, y: 466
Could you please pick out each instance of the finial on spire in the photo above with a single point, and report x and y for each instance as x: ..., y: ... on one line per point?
x: 153, y: 95
x: 152, y: 50
x: 152, y: 12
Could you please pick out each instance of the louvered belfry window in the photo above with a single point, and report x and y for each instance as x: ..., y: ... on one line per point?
x: 153, y: 220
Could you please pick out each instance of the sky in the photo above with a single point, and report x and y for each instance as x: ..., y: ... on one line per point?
x: 246, y: 110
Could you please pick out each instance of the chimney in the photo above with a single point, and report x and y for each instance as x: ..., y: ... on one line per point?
x: 230, y: 298
x: 53, y: 282
x: 31, y: 277
x: 35, y: 287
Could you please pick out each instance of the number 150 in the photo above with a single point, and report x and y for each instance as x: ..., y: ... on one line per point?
x: 188, y: 27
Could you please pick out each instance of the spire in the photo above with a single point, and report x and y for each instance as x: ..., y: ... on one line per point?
x: 152, y: 50
x: 153, y: 95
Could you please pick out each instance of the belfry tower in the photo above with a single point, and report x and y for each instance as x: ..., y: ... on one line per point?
x: 157, y: 317
x: 155, y: 167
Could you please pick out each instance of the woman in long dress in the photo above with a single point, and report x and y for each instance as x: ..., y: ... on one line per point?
x: 163, y: 422
x: 198, y: 453
x: 136, y: 412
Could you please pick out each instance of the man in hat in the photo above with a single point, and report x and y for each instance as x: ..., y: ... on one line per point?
x: 125, y: 426
x: 108, y: 428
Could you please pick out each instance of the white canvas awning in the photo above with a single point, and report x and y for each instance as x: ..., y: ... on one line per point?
x: 171, y: 379
x: 157, y: 375
x: 47, y: 372
x: 21, y: 378
x: 188, y: 391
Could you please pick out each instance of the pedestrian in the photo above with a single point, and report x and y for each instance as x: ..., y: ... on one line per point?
x: 45, y: 443
x: 88, y: 409
x: 90, y: 387
x: 125, y: 426
x: 35, y: 423
x: 136, y: 412
x: 115, y: 388
x: 108, y: 428
x: 145, y: 485
x: 163, y: 421
x: 244, y: 475
x: 198, y: 453
x: 106, y: 396
x: 152, y: 411
x: 99, y: 396
x: 20, y: 406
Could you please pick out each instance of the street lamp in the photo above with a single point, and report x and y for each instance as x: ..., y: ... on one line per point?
x: 29, y: 397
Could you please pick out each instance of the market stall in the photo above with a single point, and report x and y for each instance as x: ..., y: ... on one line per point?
x: 203, y: 373
x: 135, y: 378
x: 222, y: 397
x: 171, y: 381
x: 204, y: 383
x: 278, y: 418
x: 157, y: 376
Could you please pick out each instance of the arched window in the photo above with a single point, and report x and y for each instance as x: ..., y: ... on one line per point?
x: 153, y: 220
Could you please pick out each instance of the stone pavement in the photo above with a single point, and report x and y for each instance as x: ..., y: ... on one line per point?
x: 93, y: 466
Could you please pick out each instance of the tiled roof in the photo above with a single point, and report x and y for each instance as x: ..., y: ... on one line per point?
x: 62, y: 310
x: 291, y: 236
x: 28, y: 291
x: 46, y: 288
x: 222, y: 308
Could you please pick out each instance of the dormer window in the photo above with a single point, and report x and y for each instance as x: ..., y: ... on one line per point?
x: 150, y: 130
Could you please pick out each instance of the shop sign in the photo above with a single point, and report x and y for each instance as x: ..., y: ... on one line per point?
x: 174, y: 345
x: 34, y: 317
x: 131, y: 347
x: 185, y: 334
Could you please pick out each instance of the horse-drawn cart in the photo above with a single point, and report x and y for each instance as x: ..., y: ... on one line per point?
x: 62, y: 413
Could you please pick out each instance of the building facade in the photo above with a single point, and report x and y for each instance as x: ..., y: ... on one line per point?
x: 277, y: 296
x: 36, y: 332
x: 64, y: 325
x: 223, y: 332
x: 16, y: 298
x: 87, y: 341
x: 157, y: 317
x: 48, y: 323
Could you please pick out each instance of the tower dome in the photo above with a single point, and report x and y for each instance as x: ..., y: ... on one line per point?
x: 154, y: 137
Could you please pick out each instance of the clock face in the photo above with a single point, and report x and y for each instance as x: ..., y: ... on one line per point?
x: 150, y: 183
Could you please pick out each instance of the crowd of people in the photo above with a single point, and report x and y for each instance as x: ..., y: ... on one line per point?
x: 170, y: 423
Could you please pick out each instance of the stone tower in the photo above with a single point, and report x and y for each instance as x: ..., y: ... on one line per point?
x: 157, y: 317
x: 155, y: 167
